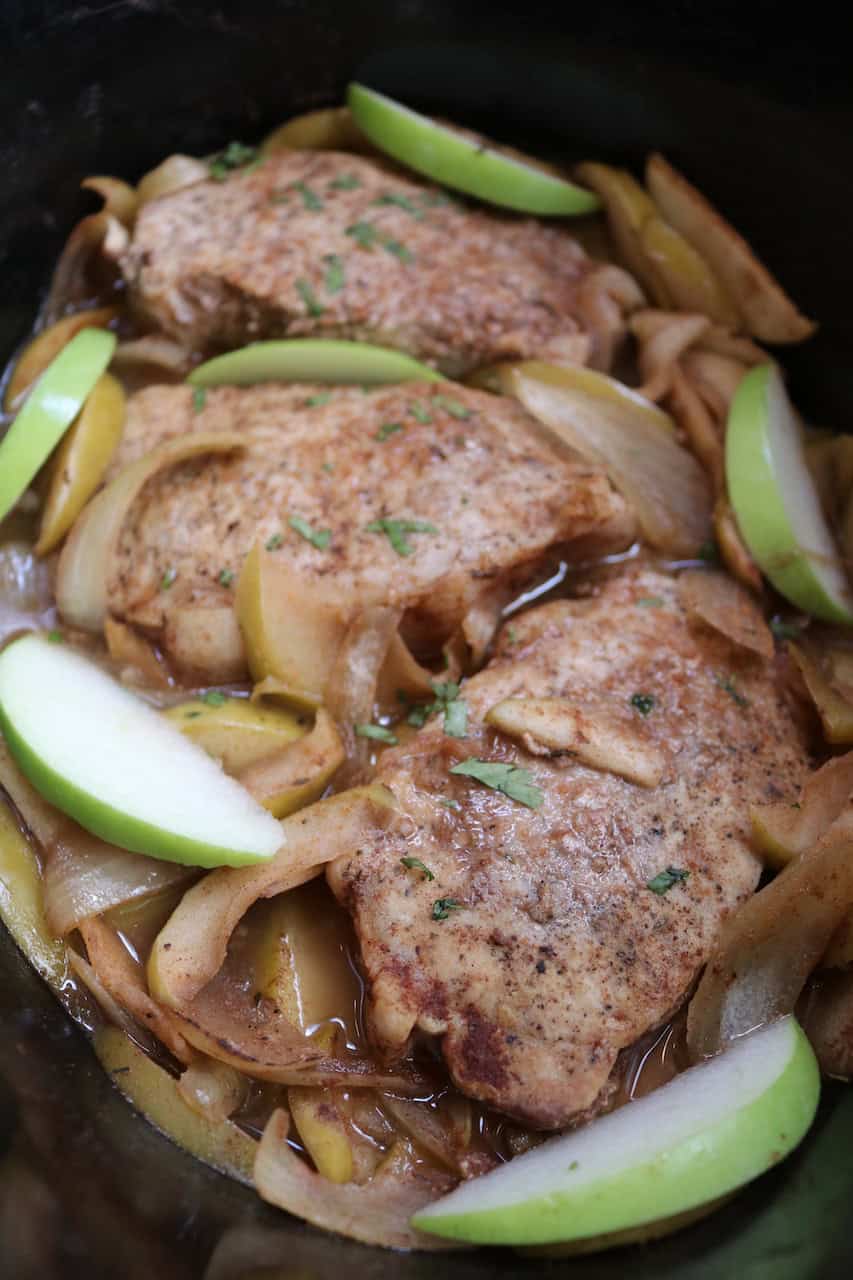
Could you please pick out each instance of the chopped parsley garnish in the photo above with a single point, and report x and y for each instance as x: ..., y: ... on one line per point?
x: 650, y: 602
x: 366, y: 236
x: 363, y: 233
x: 401, y: 202
x: 328, y: 468
x: 511, y: 635
x: 309, y: 198
x: 334, y: 280
x: 199, y: 397
x: 513, y: 782
x: 377, y: 732
x: 235, y: 156
x: 55, y: 637
x: 449, y: 804
x: 213, y: 698
x: 415, y: 864
x: 709, y: 552
x: 395, y: 531
x: 314, y: 402
x: 664, y: 880
x: 307, y: 295
x: 456, y: 719
x: 226, y: 577
x: 728, y: 683
x: 454, y: 407
x: 447, y: 700
x: 442, y: 907
x: 387, y: 429
x: 346, y: 182
x: 168, y: 578
x: 273, y: 543
x: 420, y: 413
x: 642, y: 702
x: 191, y: 715
x: 319, y: 538
x: 785, y: 630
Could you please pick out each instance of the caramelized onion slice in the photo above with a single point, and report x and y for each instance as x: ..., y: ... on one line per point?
x: 191, y: 949
x: 783, y: 831
x: 726, y: 607
x: 376, y: 1213
x: 834, y: 709
x: 175, y: 172
x: 81, y: 585
x: 827, y: 1019
x: 120, y: 199
x: 662, y: 481
x: 771, y: 944
x: 299, y: 773
x: 212, y: 1089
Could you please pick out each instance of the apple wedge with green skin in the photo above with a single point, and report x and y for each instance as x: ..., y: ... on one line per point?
x: 311, y: 360
x: 775, y: 500
x: 703, y: 1135
x: 461, y: 162
x: 49, y: 409
x: 120, y: 769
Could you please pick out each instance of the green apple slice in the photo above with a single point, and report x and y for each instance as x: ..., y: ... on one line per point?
x: 461, y: 162
x: 49, y: 410
x: 119, y: 768
x: 707, y: 1132
x: 775, y: 500
x: 311, y: 360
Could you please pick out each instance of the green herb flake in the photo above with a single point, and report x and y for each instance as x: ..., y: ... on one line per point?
x: 449, y: 804
x: 328, y: 468
x: 310, y: 199
x: 319, y: 538
x: 395, y: 531
x: 226, y: 577
x: 420, y: 413
x: 306, y: 293
x: 513, y: 782
x: 273, y: 543
x: 199, y: 397
x: 376, y: 731
x: 415, y: 864
x: 455, y: 408
x: 314, y: 402
x: 511, y: 635
x: 650, y: 602
x: 574, y: 1165
x: 456, y: 719
x: 168, y: 579
x: 191, y: 715
x: 235, y: 156
x: 387, y: 429
x: 664, y: 880
x: 363, y: 233
x: 401, y: 202
x: 785, y: 630
x: 55, y: 637
x: 642, y: 702
x: 418, y: 716
x: 395, y: 247
x: 442, y: 907
x: 213, y: 698
x: 346, y: 182
x: 709, y: 552
x: 729, y: 684
x: 335, y: 279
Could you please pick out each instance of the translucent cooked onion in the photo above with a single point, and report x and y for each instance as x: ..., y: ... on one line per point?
x: 378, y: 1212
x: 663, y: 482
x: 81, y: 585
x: 352, y: 687
x: 175, y: 172
x: 25, y: 594
x: 827, y: 1019
x: 213, y: 1089
x: 120, y: 199
x: 772, y: 943
x: 783, y: 831
x: 726, y: 607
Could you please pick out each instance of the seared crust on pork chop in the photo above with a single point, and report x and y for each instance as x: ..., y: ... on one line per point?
x: 472, y: 467
x: 335, y: 245
x: 535, y: 947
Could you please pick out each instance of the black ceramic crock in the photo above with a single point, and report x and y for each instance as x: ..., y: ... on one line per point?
x: 756, y: 105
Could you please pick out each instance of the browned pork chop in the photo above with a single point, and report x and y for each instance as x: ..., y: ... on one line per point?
x: 336, y: 245
x: 471, y: 466
x: 529, y: 939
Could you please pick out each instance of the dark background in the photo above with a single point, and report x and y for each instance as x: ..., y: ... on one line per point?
x: 755, y: 103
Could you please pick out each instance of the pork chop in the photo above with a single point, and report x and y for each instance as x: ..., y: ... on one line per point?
x: 538, y: 943
x: 472, y: 468
x: 336, y: 245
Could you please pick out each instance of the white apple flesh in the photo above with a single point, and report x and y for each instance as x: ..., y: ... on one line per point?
x: 706, y: 1133
x: 123, y: 771
x: 775, y: 500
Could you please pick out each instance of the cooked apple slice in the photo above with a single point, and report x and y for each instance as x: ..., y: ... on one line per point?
x: 704, y: 1134
x: 311, y: 360
x: 121, y: 770
x: 463, y: 162
x: 49, y: 410
x: 775, y: 500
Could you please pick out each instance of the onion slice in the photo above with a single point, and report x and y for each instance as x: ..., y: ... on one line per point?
x: 725, y: 606
x: 784, y: 831
x: 377, y: 1212
x: 81, y: 585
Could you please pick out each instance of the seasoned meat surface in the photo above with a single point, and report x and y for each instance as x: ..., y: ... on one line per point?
x: 553, y: 953
x: 470, y: 466
x: 336, y: 245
